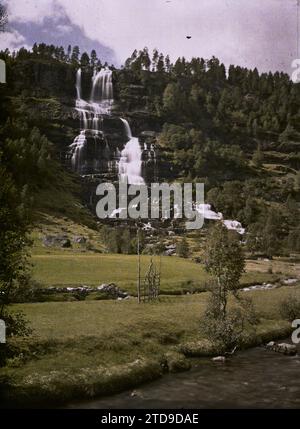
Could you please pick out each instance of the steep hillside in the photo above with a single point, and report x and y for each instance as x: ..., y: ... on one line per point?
x: 237, y: 131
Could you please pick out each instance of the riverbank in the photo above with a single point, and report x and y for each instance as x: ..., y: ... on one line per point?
x: 82, y: 350
x: 255, y: 378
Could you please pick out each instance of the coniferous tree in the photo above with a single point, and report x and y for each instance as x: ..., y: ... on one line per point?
x: 94, y: 58
x: 155, y: 58
x: 84, y: 60
x: 69, y: 53
x: 75, y: 55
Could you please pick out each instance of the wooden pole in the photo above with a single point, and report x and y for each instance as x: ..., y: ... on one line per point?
x: 139, y: 267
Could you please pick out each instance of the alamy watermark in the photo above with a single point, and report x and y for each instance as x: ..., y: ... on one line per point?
x: 2, y: 332
x: 2, y: 71
x: 158, y: 200
x: 296, y: 332
x: 296, y: 73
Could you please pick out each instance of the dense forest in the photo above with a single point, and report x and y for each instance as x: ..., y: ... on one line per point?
x: 236, y: 130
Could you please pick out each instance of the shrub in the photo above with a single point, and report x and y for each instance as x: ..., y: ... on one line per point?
x: 290, y: 307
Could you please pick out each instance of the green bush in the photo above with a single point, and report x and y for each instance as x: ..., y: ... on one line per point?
x: 290, y: 307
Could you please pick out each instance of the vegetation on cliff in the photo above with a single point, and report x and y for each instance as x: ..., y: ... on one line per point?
x: 236, y: 130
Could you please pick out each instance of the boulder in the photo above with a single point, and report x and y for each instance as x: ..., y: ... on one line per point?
x: 112, y: 291
x: 136, y: 394
x: 285, y: 348
x: 219, y: 359
x: 57, y: 241
x: 66, y: 243
x: 170, y: 252
x: 177, y: 362
x: 79, y: 240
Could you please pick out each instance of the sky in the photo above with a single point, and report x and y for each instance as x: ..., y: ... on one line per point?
x: 250, y: 33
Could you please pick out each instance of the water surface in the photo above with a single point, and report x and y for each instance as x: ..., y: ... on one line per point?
x: 256, y: 378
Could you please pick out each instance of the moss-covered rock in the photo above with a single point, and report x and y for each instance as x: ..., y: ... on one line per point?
x: 177, y: 362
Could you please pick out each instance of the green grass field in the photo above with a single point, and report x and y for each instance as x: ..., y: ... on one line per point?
x: 83, y: 349
x: 95, y: 269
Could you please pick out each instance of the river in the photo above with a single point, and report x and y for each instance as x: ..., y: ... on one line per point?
x: 255, y: 378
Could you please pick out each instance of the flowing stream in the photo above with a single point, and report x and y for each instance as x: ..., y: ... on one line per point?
x: 255, y: 378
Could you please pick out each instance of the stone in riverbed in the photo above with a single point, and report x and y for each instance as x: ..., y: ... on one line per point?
x: 112, y: 291
x: 285, y: 348
x: 219, y: 359
x: 177, y: 362
x: 136, y: 394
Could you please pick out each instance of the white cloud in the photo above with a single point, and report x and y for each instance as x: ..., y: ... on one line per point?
x: 258, y: 33
x: 31, y: 10
x: 11, y: 40
x: 64, y: 29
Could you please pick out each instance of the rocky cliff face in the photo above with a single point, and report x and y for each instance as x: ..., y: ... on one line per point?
x: 45, y: 92
x: 105, y: 145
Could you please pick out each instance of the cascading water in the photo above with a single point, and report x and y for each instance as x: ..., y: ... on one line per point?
x: 130, y: 164
x: 129, y: 161
x: 102, y: 90
x: 91, y: 113
x: 78, y: 84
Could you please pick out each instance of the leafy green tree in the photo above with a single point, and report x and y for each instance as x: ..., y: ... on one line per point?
x: 14, y: 241
x: 182, y: 248
x: 258, y: 157
x: 172, y: 100
x: 31, y: 161
x: 271, y: 233
x: 224, y: 260
x: 293, y: 240
x: 249, y: 213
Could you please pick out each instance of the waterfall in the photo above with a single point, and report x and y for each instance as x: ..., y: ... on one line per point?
x: 127, y: 128
x: 78, y: 147
x: 78, y: 84
x: 91, y: 113
x: 101, y: 99
x: 102, y: 86
x: 130, y: 164
x: 208, y: 213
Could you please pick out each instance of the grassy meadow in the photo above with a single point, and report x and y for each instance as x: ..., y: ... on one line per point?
x: 73, y: 269
x: 90, y: 348
x: 81, y: 349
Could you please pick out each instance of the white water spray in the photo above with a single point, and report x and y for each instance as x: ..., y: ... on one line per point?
x: 130, y: 164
